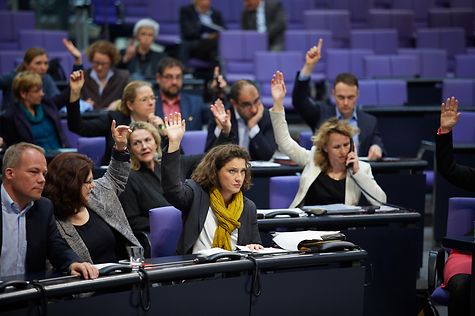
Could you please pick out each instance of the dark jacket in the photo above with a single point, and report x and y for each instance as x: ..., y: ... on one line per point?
x: 112, y: 91
x: 458, y: 175
x: 194, y: 203
x: 314, y: 114
x: 43, y: 240
x: 261, y: 147
x: 190, y: 25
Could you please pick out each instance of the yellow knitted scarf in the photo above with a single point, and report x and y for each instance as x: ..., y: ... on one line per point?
x: 227, y: 217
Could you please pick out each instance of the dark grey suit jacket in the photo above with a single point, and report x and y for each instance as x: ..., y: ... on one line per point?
x: 194, y: 203
x: 275, y: 23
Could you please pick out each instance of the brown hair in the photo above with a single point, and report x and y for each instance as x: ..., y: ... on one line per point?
x: 206, y: 173
x: 13, y: 154
x: 130, y: 93
x: 24, y: 82
x: 106, y: 48
x: 30, y: 54
x: 346, y: 78
x: 134, y: 162
x: 168, y: 62
x: 237, y: 87
x: 320, y: 140
x: 66, y: 175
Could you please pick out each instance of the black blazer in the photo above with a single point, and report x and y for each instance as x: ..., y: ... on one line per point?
x: 44, y: 240
x: 190, y: 25
x: 458, y: 175
x: 15, y: 128
x: 193, y: 201
x: 100, y: 126
x: 261, y: 147
x: 314, y: 114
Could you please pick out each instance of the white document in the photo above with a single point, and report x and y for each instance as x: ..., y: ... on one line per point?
x: 212, y: 251
x: 265, y: 164
x: 268, y: 250
x: 290, y: 240
x: 298, y: 211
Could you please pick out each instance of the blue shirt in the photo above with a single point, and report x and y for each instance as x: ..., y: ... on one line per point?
x: 14, y: 245
x: 353, y: 121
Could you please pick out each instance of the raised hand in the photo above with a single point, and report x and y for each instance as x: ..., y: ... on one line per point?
x: 312, y: 57
x: 176, y: 129
x: 120, y: 134
x: 72, y: 49
x: 449, y: 114
x: 278, y: 90
x: 76, y: 81
x: 221, y: 116
x: 374, y: 152
x: 130, y: 51
x: 158, y: 123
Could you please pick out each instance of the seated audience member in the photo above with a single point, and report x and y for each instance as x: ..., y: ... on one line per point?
x: 215, y: 212
x: 137, y: 104
x: 200, y: 25
x: 104, y: 82
x: 88, y: 212
x: 34, y: 118
x: 144, y: 188
x: 171, y: 99
x: 458, y: 268
x: 141, y: 60
x: 246, y: 123
x: 345, y: 91
x: 28, y: 232
x: 266, y: 16
x: 332, y: 167
x: 35, y: 60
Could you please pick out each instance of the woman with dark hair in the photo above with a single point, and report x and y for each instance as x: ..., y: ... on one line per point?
x: 458, y: 268
x: 88, y: 212
x: 331, y: 162
x: 215, y: 211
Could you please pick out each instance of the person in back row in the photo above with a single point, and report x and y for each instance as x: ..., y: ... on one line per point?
x: 215, y: 211
x: 345, y: 91
x: 246, y: 123
x: 332, y: 172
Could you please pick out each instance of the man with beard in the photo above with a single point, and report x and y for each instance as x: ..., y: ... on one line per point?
x: 170, y: 81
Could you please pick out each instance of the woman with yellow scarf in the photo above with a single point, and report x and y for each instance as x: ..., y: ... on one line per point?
x: 215, y: 212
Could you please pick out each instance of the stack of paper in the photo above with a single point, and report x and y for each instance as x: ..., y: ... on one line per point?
x: 290, y: 240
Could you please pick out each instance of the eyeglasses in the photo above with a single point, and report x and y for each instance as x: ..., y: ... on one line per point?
x: 100, y: 63
x: 88, y: 182
x: 246, y: 105
x: 145, y: 99
x: 172, y: 77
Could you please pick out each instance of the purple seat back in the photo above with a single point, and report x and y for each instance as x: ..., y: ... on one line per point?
x: 420, y: 7
x: 461, y: 215
x: 346, y: 60
x: 359, y: 9
x: 465, y: 66
x: 72, y: 137
x: 404, y: 66
x: 305, y: 139
x: 193, y: 142
x: 432, y: 62
x: 368, y: 92
x: 392, y: 92
x: 401, y: 20
x: 302, y: 40
x: 453, y: 17
x: 377, y: 66
x: 230, y: 11
x: 336, y: 21
x: 93, y: 147
x: 464, y: 131
x: 9, y: 60
x: 165, y: 230
x: 450, y: 39
x: 48, y: 40
x: 463, y: 89
x: 381, y: 41
x: 282, y: 190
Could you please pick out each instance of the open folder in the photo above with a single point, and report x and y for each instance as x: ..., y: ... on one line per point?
x: 335, y: 208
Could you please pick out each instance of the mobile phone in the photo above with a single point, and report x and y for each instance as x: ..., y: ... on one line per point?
x: 352, y: 149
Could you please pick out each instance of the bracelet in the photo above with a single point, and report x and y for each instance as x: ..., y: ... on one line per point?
x: 119, y: 150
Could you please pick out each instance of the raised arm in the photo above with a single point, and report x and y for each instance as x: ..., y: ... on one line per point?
x: 312, y: 57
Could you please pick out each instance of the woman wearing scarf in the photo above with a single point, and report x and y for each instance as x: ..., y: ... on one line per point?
x: 215, y: 212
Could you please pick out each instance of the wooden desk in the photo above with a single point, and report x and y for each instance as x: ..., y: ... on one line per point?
x: 443, y: 190
x: 392, y: 253
x: 290, y: 285
x: 466, y: 244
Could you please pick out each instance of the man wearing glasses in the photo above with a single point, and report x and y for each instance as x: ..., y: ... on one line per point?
x: 246, y: 123
x: 170, y: 81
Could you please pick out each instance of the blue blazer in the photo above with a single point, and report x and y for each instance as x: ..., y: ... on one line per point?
x: 44, y: 240
x: 192, y: 110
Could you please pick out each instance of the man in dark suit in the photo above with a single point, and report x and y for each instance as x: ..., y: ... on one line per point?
x: 200, y: 25
x: 265, y: 16
x: 345, y: 92
x: 170, y: 99
x: 28, y: 231
x: 246, y: 123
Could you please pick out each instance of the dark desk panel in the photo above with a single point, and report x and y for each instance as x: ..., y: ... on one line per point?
x: 392, y: 253
x: 443, y: 190
x: 466, y: 244
x: 183, y: 288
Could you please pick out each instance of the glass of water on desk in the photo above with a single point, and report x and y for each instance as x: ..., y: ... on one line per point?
x: 136, y: 256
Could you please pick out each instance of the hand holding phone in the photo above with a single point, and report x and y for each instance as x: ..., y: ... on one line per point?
x: 352, y: 149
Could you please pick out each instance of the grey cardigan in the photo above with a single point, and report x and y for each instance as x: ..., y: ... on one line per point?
x: 104, y: 201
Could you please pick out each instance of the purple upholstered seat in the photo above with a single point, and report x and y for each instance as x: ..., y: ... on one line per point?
x: 381, y: 41
x: 230, y: 11
x: 359, y: 10
x: 305, y: 139
x: 93, y: 147
x: 368, y: 92
x: 463, y: 89
x: 11, y: 22
x: 450, y: 39
x: 465, y: 66
x: 377, y: 66
x: 464, y: 131
x: 165, y: 230
x: 392, y: 92
x: 193, y: 142
x: 420, y: 8
x: 72, y: 137
x: 46, y: 39
x: 336, y: 21
x: 453, y: 17
x: 402, y: 20
x: 391, y: 66
x: 346, y: 60
x: 432, y: 61
x: 282, y: 190
x: 294, y: 10
x: 9, y: 60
